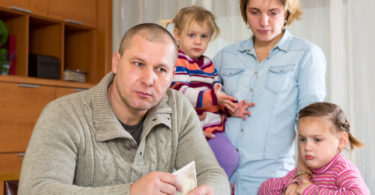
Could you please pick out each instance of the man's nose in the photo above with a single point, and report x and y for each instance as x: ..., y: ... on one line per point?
x: 148, y: 77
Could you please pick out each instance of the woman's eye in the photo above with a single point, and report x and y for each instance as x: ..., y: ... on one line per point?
x: 253, y: 12
x: 318, y: 139
x: 302, y: 139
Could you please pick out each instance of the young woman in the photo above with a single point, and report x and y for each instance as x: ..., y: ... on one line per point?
x: 281, y: 74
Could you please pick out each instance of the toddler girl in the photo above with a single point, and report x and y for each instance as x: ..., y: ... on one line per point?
x: 323, y: 131
x: 197, y: 79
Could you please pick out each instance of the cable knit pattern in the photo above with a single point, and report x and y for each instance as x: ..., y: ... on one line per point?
x: 78, y: 146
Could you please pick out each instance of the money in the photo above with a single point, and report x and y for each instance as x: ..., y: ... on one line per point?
x: 188, y: 177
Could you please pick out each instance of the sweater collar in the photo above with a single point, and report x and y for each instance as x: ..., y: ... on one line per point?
x: 109, y: 127
x: 329, y: 165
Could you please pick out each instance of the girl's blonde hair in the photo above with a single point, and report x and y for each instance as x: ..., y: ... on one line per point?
x: 335, y: 115
x: 194, y: 14
x: 292, y: 8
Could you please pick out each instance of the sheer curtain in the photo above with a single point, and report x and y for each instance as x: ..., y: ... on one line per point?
x: 344, y: 29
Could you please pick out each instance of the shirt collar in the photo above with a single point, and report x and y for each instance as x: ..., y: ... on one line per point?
x: 329, y: 165
x: 283, y: 44
x: 106, y: 123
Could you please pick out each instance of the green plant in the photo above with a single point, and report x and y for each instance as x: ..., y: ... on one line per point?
x: 3, y: 33
x: 4, y: 65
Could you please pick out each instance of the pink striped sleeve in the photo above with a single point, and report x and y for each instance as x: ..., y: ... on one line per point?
x: 276, y: 186
x: 348, y: 182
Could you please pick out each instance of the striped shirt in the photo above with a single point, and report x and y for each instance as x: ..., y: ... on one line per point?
x: 196, y: 78
x: 339, y: 176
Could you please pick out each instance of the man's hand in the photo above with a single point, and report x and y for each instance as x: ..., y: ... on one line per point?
x: 156, y: 183
x: 202, y: 190
x: 242, y: 109
x: 224, y: 99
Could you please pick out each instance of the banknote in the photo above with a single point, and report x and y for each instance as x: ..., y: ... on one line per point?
x: 188, y: 177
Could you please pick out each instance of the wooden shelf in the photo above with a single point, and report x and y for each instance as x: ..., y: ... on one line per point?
x: 48, y: 28
x: 74, y: 44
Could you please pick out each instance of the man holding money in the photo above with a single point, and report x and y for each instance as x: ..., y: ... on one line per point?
x: 127, y: 134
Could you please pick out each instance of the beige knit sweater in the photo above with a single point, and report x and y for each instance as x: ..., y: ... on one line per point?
x: 79, y: 147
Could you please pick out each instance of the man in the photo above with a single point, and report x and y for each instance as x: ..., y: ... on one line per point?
x: 127, y: 134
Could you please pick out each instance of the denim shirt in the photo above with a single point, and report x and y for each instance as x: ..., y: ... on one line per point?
x: 290, y: 78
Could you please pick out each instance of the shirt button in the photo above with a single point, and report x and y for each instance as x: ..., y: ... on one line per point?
x: 251, y: 89
x: 255, y: 72
x: 237, y: 149
x: 241, y: 130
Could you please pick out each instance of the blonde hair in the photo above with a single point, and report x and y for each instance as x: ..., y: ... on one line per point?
x: 194, y: 14
x: 335, y: 115
x: 292, y: 8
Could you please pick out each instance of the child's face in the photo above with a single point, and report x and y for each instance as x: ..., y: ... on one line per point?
x: 194, y: 41
x: 318, y: 141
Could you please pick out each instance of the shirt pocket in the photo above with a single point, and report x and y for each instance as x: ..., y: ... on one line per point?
x: 280, y: 78
x: 231, y: 78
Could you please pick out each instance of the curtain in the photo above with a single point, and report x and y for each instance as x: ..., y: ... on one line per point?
x: 344, y: 29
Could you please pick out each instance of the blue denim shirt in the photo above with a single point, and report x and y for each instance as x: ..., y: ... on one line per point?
x: 290, y: 78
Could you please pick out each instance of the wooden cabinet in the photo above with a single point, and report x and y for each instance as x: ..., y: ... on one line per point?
x: 11, y: 162
x: 20, y: 108
x: 38, y: 7
x: 21, y: 103
x: 74, y: 11
x: 84, y: 46
x: 48, y: 28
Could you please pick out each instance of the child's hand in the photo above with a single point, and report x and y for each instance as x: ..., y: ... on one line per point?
x: 303, y: 185
x: 224, y: 99
x: 202, y: 116
x: 209, y: 135
x: 242, y: 109
x: 291, y: 189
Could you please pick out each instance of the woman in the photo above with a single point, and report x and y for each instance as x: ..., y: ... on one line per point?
x: 281, y: 74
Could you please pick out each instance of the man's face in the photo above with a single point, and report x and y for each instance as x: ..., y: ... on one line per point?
x: 143, y: 73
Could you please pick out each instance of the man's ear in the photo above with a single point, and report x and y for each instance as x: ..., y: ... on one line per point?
x: 115, y: 61
x: 343, y: 140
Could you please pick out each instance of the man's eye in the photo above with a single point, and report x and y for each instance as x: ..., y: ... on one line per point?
x: 138, y: 63
x: 302, y: 139
x: 160, y: 69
